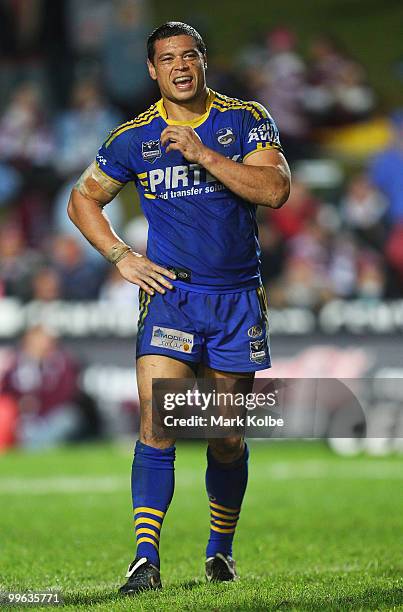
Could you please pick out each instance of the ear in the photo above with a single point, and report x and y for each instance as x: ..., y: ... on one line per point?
x: 151, y: 70
x: 205, y: 61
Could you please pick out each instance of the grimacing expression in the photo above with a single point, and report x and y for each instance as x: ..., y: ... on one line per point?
x: 179, y: 68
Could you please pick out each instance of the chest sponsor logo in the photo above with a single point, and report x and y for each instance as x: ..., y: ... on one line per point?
x: 174, y: 177
x: 257, y: 351
x: 226, y: 136
x: 265, y: 132
x: 151, y: 150
x: 172, y: 339
x: 255, y: 331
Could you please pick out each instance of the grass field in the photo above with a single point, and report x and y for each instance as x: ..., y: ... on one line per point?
x: 317, y: 532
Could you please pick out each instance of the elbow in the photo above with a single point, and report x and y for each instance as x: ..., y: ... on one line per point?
x: 277, y: 197
x: 277, y: 187
x: 280, y: 197
x: 71, y: 208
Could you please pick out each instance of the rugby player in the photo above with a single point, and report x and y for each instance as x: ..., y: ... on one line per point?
x: 202, y: 162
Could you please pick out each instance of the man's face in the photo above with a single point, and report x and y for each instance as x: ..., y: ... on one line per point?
x: 179, y: 68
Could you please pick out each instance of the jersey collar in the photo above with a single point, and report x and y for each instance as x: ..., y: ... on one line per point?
x: 195, y: 122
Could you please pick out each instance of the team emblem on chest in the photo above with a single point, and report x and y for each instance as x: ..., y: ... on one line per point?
x: 225, y: 136
x: 151, y: 150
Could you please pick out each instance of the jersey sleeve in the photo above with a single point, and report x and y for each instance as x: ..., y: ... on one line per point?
x: 114, y: 157
x: 259, y: 131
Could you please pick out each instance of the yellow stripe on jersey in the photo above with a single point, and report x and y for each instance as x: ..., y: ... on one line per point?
x: 262, y: 109
x: 150, y: 196
x: 255, y: 114
x: 141, y: 117
x: 142, y: 175
x: 149, y: 511
x: 133, y: 124
x: 257, y: 110
x: 264, y: 146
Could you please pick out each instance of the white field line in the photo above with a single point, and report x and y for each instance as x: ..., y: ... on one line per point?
x: 371, y: 470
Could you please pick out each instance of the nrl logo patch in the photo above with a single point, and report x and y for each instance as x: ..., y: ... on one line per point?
x: 151, y: 150
x: 226, y: 136
x: 257, y: 351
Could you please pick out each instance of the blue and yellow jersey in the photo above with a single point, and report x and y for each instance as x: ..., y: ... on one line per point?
x: 195, y: 222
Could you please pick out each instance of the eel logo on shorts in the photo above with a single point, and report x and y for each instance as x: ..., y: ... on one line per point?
x: 257, y: 351
x: 255, y: 331
x: 225, y: 136
x: 172, y: 339
x: 151, y: 150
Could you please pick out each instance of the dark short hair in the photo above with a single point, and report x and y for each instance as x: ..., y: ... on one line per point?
x: 173, y: 28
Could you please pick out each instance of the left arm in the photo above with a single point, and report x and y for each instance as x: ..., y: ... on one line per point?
x: 264, y: 178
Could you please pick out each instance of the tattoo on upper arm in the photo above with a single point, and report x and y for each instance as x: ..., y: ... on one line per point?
x: 96, y: 185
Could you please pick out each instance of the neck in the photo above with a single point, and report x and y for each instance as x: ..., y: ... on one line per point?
x: 186, y: 111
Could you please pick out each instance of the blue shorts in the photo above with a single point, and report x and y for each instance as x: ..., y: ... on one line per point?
x: 225, y: 331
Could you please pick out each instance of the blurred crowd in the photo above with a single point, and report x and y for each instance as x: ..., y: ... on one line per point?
x: 74, y: 73
x: 71, y: 71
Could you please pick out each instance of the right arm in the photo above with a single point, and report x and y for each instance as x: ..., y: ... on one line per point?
x: 91, y: 193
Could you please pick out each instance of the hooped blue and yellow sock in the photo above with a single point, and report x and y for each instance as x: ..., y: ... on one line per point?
x: 153, y: 481
x: 226, y: 485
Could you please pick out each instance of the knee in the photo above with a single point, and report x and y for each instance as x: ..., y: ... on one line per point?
x: 156, y: 441
x: 226, y: 450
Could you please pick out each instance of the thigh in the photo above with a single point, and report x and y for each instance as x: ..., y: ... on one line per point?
x: 239, y: 337
x: 149, y: 367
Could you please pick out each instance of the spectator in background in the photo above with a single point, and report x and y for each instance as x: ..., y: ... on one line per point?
x: 124, y: 69
x: 302, y: 285
x: 18, y: 264
x: 337, y: 92
x: 87, y: 23
x: 10, y: 184
x: 363, y: 208
x: 394, y: 257
x: 46, y: 285
x: 342, y: 265
x: 80, y: 278
x: 306, y: 278
x: 26, y: 137
x: 42, y: 379
x: 386, y: 171
x: 80, y: 128
x: 371, y: 278
x: 282, y: 88
x: 302, y: 207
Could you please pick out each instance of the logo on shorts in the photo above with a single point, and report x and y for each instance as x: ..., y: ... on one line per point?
x: 255, y: 331
x: 257, y: 351
x: 225, y: 136
x: 172, y: 339
x: 151, y: 150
